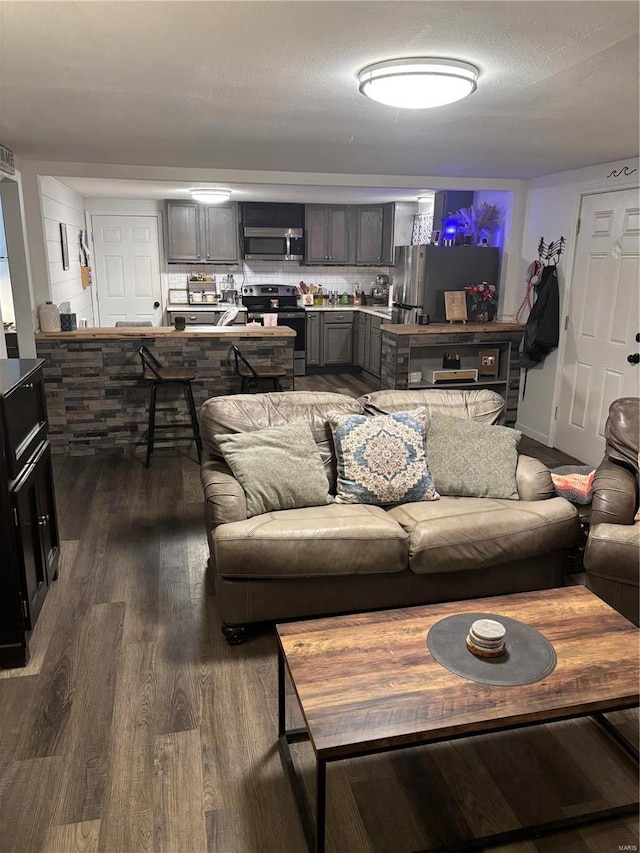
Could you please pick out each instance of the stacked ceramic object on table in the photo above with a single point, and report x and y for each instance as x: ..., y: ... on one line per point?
x: 486, y: 638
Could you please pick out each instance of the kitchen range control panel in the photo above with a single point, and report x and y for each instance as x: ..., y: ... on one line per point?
x: 269, y: 290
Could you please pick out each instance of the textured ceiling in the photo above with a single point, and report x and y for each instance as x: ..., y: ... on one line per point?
x: 273, y: 85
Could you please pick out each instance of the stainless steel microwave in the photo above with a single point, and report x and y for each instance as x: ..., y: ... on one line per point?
x: 272, y: 244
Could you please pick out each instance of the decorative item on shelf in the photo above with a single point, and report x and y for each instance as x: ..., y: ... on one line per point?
x: 489, y: 362
x: 455, y: 306
x: 178, y: 297
x: 180, y: 324
x: 415, y: 377
x: 450, y: 225
x: 479, y: 223
x: 49, y: 317
x: 68, y: 323
x: 484, y: 301
x: 450, y: 359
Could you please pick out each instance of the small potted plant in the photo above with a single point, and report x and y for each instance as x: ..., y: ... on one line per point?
x: 484, y: 301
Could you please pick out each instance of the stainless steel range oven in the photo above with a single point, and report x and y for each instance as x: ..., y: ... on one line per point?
x: 261, y: 299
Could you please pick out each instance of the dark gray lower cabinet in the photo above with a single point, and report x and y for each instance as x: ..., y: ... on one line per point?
x: 375, y: 345
x: 337, y: 343
x: 360, y: 346
x: 29, y: 541
x: 313, y: 343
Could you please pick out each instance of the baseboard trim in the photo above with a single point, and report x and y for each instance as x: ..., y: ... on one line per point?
x: 534, y: 433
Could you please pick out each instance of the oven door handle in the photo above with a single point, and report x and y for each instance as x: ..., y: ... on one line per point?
x: 288, y: 239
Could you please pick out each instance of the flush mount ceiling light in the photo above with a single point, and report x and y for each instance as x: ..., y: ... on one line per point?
x: 207, y: 195
x: 417, y: 82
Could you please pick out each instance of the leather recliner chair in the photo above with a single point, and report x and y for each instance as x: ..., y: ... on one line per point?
x: 612, y: 557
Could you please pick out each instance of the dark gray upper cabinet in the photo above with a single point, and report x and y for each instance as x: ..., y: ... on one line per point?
x: 201, y: 233
x: 221, y: 232
x: 183, y: 231
x: 328, y: 234
x: 374, y: 234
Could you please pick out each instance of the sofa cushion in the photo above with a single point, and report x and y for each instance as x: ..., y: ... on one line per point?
x: 312, y: 542
x: 248, y: 412
x: 459, y: 533
x: 481, y: 405
x: 472, y: 459
x: 278, y: 467
x: 381, y: 459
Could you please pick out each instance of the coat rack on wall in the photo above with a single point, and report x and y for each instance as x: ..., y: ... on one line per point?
x: 550, y: 252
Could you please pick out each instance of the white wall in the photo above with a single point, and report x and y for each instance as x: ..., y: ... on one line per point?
x: 552, y: 211
x: 60, y: 204
x: 13, y: 212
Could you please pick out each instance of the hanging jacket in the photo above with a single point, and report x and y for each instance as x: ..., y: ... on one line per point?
x: 542, y: 332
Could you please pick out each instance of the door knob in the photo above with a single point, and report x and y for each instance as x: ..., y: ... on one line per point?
x: 638, y: 337
x: 156, y: 304
x: 633, y: 358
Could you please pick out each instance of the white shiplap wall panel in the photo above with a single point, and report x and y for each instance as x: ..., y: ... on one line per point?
x: 60, y: 204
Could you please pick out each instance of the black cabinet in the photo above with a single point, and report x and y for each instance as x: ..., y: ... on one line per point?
x: 201, y: 233
x: 28, y: 522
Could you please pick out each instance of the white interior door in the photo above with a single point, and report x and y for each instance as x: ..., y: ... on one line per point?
x: 127, y: 268
x: 604, y: 318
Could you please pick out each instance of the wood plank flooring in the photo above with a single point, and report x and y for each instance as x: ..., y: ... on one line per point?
x: 135, y: 727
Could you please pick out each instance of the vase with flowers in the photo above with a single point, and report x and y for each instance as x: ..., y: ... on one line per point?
x: 484, y: 300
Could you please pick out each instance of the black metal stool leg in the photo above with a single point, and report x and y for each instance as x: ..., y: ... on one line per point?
x: 194, y: 419
x: 152, y: 422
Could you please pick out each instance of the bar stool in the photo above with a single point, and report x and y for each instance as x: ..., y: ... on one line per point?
x: 156, y: 373
x: 250, y: 376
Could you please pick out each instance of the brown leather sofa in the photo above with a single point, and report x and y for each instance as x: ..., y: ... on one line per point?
x: 612, y: 556
x: 339, y: 558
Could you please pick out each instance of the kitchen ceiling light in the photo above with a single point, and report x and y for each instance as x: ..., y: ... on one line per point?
x: 418, y: 82
x: 208, y: 195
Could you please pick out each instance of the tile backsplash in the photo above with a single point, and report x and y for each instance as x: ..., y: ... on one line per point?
x: 270, y: 272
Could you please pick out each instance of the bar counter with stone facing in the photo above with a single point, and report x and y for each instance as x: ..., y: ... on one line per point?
x: 97, y: 401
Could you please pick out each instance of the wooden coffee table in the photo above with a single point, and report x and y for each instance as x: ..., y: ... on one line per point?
x: 367, y: 683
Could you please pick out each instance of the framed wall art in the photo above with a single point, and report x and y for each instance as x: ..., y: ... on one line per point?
x: 64, y: 245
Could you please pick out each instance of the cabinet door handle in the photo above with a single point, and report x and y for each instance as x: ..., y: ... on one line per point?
x: 28, y: 386
x: 198, y: 256
x: 43, y: 520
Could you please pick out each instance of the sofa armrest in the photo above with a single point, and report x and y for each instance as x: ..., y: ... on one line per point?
x: 225, y: 499
x: 615, y: 495
x: 533, y: 480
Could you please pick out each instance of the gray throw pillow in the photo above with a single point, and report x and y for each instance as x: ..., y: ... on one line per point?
x: 278, y: 467
x: 472, y: 459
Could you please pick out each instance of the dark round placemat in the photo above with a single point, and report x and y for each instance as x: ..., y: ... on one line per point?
x: 529, y: 656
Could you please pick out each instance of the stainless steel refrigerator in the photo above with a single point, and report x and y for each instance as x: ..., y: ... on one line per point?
x: 422, y: 274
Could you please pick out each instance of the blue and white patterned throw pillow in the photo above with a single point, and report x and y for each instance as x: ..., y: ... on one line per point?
x: 382, y: 459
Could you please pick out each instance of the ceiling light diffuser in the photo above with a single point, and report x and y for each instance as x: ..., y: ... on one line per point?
x: 208, y: 195
x: 418, y: 83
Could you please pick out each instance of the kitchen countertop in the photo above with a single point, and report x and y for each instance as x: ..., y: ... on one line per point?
x: 377, y: 310
x: 168, y: 332
x: 205, y: 306
x: 451, y: 328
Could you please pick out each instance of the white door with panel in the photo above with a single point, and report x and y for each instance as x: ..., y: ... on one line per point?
x: 127, y: 268
x: 604, y: 319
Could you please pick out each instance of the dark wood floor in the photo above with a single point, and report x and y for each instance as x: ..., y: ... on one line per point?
x: 135, y: 727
